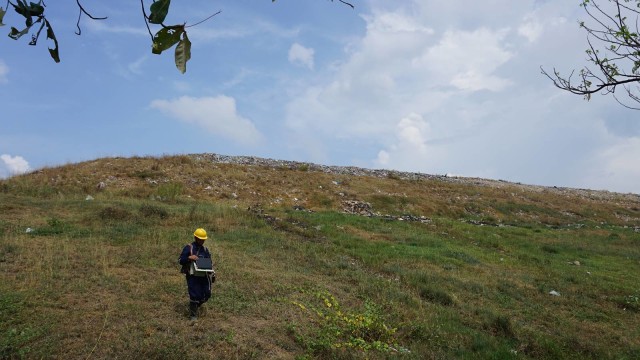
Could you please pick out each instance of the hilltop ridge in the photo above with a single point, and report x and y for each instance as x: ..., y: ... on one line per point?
x: 404, y: 175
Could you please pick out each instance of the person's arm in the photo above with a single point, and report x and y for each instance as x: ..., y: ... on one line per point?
x: 184, y: 256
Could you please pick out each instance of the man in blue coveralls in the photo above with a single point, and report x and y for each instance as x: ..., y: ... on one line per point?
x: 199, y: 286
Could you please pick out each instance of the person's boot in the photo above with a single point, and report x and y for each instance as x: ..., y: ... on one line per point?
x: 193, y: 311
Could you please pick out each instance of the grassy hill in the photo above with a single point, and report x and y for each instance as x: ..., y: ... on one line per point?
x: 313, y: 264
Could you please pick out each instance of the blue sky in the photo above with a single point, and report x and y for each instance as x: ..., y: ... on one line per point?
x: 418, y: 85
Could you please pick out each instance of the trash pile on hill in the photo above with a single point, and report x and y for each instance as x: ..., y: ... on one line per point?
x: 363, y: 208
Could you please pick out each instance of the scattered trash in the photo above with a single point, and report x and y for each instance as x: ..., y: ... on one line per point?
x: 88, y: 198
x: 29, y: 230
x: 554, y: 293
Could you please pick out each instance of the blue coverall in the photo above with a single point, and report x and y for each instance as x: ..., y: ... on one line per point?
x: 199, y: 286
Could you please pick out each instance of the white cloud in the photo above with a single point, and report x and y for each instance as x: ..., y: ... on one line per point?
x: 106, y: 27
x: 617, y: 167
x: 248, y: 27
x: 4, y: 70
x: 13, y: 165
x: 395, y: 22
x: 302, y: 56
x: 135, y: 67
x: 477, y: 103
x: 217, y: 115
x: 531, y: 29
x: 411, y: 147
x: 401, y: 66
x: 468, y: 59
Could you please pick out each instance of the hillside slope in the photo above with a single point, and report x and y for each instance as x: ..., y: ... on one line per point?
x: 313, y: 261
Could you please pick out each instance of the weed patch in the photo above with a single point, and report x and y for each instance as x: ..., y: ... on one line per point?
x: 54, y: 226
x: 15, y: 337
x: 169, y: 191
x: 151, y: 211
x: 339, y: 329
x: 435, y: 296
x: 111, y: 213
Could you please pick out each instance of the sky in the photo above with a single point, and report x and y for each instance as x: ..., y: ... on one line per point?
x: 438, y: 87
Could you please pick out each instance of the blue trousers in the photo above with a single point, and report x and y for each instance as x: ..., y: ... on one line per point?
x: 199, y: 289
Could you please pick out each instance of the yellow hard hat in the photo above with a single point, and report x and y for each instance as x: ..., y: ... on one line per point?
x: 200, y: 234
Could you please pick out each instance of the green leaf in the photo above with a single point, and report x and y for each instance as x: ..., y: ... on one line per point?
x: 159, y: 11
x: 36, y: 9
x: 166, y: 38
x: 30, y: 10
x: 183, y: 53
x: 2, y: 12
x: 15, y: 34
x: 50, y: 35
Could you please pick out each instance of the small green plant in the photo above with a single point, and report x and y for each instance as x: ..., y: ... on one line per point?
x: 393, y: 175
x: 550, y: 249
x: 631, y: 302
x: 114, y: 213
x: 149, y: 211
x: 54, y: 226
x: 338, y: 328
x: 169, y: 191
x: 303, y: 167
x: 435, y: 296
x: 7, y: 251
x: 500, y: 325
x: 154, y: 172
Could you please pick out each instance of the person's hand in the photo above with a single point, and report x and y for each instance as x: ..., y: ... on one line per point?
x: 193, y: 257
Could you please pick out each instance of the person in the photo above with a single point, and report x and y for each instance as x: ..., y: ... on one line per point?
x: 199, y: 286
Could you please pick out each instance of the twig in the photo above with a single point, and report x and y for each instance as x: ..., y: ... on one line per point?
x: 200, y: 22
x: 346, y: 3
x: 146, y: 19
x: 82, y: 10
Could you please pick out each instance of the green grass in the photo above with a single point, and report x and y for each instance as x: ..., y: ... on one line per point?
x: 100, y: 279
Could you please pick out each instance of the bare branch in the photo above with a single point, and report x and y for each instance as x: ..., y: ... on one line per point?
x: 83, y: 11
x: 146, y: 19
x: 346, y: 3
x: 613, y: 48
x: 200, y: 22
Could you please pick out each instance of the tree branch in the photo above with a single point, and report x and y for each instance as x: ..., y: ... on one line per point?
x: 616, y: 56
x: 83, y: 11
x: 200, y: 22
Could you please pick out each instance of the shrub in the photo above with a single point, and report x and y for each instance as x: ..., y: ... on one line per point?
x: 169, y: 191
x: 435, y: 296
x: 339, y: 329
x: 501, y: 325
x: 54, y: 227
x: 153, y: 211
x: 113, y: 213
